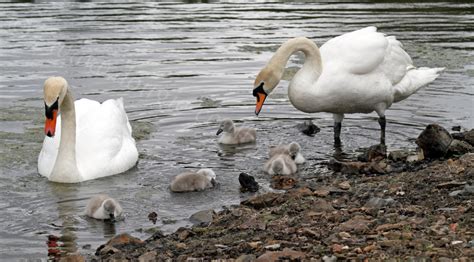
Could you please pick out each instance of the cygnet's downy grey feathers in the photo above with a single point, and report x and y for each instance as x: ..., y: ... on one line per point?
x: 103, y: 207
x: 293, y: 150
x: 233, y: 135
x: 194, y: 181
x: 280, y: 164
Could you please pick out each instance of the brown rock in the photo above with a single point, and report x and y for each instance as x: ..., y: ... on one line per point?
x: 72, y: 258
x: 286, y: 254
x: 377, y: 153
x: 369, y: 248
x: 350, y: 168
x: 262, y: 201
x: 322, y: 205
x: 458, y: 147
x: 387, y: 227
x: 344, y: 185
x: 356, y: 224
x: 283, y: 182
x: 344, y: 235
x: 337, y: 248
x: 181, y: 245
x: 390, y: 243
x: 322, y: 192
x: 123, y: 239
x: 434, y: 141
x: 310, y: 233
x: 246, y: 258
x: 148, y: 257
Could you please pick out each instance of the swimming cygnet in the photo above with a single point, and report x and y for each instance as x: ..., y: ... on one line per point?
x: 235, y: 135
x: 293, y: 150
x: 103, y: 207
x: 280, y: 164
x: 194, y: 181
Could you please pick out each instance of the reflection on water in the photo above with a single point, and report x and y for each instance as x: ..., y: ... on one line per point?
x: 180, y: 68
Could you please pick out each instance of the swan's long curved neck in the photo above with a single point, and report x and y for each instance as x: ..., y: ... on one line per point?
x: 65, y: 168
x: 303, y: 44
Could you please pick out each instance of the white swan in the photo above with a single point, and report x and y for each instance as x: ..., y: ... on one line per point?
x: 194, y: 181
x: 358, y: 72
x: 235, y: 135
x: 293, y: 150
x: 103, y: 207
x: 89, y: 140
x: 280, y: 164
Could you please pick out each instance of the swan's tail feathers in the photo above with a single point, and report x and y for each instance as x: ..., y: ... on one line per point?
x: 415, y: 79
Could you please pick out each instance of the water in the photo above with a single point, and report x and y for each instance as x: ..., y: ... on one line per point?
x: 180, y: 67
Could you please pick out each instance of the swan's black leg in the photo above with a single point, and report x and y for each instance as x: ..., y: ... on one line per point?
x: 337, y: 133
x: 382, y: 123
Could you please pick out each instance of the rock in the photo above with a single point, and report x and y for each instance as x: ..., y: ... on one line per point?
x: 246, y: 258
x: 184, y: 233
x: 344, y: 185
x: 287, y: 253
x: 148, y: 256
x: 458, y: 147
x: 377, y: 202
x: 72, y: 258
x: 310, y: 233
x: 456, y: 193
x: 283, y: 182
x: 337, y: 248
x: 255, y: 244
x: 377, y: 153
x: 434, y: 141
x: 308, y: 128
x: 262, y: 201
x: 369, y: 248
x: 469, y: 189
x: 356, y: 224
x: 321, y: 205
x: 153, y: 216
x: 467, y: 136
x: 321, y: 192
x: 399, y: 155
x: 248, y: 183
x: 202, y: 218
x: 344, y: 235
x: 350, y: 168
x: 390, y: 243
x: 456, y: 128
x: 330, y: 259
x: 273, y: 247
x: 124, y: 239
x: 451, y: 184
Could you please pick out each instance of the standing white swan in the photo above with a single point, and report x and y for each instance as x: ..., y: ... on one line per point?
x: 358, y: 72
x: 89, y: 140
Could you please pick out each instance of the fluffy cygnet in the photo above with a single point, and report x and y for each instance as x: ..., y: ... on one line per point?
x: 103, y: 207
x: 235, y: 135
x: 280, y: 164
x: 194, y: 181
x: 293, y: 150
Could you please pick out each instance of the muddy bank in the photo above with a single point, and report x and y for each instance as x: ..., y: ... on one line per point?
x: 376, y: 208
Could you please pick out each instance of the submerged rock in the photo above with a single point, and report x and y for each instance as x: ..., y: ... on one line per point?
x: 248, y: 183
x: 283, y: 182
x: 308, y: 128
x: 434, y: 141
x: 459, y: 147
x: 399, y: 155
x: 467, y: 136
x: 202, y: 218
x: 373, y: 153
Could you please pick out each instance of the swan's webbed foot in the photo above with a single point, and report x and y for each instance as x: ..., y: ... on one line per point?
x: 382, y: 122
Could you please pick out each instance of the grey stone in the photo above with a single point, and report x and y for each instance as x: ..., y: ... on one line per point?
x: 203, y: 217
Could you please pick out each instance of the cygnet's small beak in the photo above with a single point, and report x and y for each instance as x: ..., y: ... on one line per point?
x: 213, y: 182
x: 112, y: 217
x: 219, y: 131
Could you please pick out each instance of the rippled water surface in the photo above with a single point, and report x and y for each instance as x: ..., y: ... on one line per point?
x: 179, y: 68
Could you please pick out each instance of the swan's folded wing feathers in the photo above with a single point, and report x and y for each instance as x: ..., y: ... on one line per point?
x: 358, y: 52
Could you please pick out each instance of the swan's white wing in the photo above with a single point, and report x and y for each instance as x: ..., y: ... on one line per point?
x: 104, y: 143
x: 357, y: 52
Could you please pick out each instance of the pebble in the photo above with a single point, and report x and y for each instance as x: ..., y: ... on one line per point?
x: 344, y: 185
x: 330, y: 259
x: 273, y: 247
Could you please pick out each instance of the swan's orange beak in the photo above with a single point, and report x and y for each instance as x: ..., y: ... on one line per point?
x: 260, y: 100
x: 260, y: 94
x: 50, y: 124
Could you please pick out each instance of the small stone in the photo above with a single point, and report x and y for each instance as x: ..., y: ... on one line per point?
x: 273, y: 247
x: 456, y: 242
x: 330, y: 259
x: 321, y: 192
x: 456, y: 128
x: 123, y: 239
x: 337, y: 248
x: 456, y: 193
x: 310, y: 233
x: 153, y: 216
x: 377, y: 202
x: 444, y: 259
x: 356, y: 224
x: 308, y: 128
x: 377, y: 153
x: 369, y: 248
x: 264, y: 200
x: 390, y: 243
x: 458, y: 147
x: 72, y: 258
x: 344, y: 235
x: 181, y: 245
x: 203, y: 217
x: 398, y: 155
x: 280, y: 255
x: 283, y: 182
x: 344, y: 185
x: 87, y: 246
x: 246, y: 258
x: 148, y: 256
x: 255, y: 244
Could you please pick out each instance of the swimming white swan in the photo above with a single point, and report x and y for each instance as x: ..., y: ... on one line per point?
x: 280, y: 164
x: 235, y: 135
x: 194, y: 181
x: 89, y: 140
x: 103, y: 207
x: 358, y: 72
x: 293, y: 150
